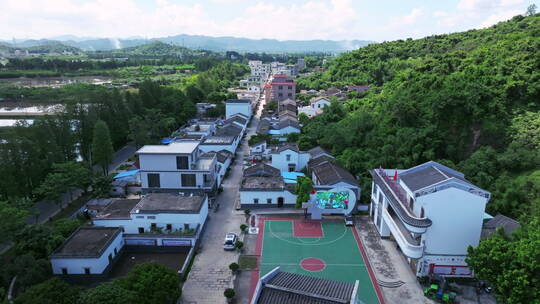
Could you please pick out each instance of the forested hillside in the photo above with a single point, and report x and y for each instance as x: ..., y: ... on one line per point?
x: 469, y: 100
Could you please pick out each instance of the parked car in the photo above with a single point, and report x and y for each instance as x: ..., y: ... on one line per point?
x: 349, y: 220
x: 230, y: 241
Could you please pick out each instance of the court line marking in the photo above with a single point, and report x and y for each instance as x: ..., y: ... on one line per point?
x: 328, y: 264
x: 301, y: 222
x: 304, y: 244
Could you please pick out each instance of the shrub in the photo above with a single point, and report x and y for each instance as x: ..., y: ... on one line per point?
x: 229, y: 293
x: 239, y: 245
x: 243, y: 227
x: 234, y: 267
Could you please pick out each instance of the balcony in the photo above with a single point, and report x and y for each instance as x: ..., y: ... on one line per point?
x: 409, y: 246
x: 397, y: 199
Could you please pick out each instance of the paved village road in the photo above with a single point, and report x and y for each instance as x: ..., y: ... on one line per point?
x: 210, y: 274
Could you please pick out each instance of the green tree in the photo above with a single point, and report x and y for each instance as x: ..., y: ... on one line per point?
x: 65, y: 226
x: 102, y: 149
x: 152, y: 283
x: 510, y: 265
x: 76, y: 175
x: 108, y: 293
x: 29, y: 270
x: 38, y: 240
x: 52, y: 291
x: 303, y: 187
x: 531, y: 9
x: 13, y: 219
x: 138, y: 131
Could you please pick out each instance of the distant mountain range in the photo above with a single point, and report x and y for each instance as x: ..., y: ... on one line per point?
x: 218, y: 44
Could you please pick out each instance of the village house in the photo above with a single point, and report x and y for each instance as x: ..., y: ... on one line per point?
x: 288, y: 158
x: 288, y: 126
x: 87, y: 251
x: 326, y: 174
x: 320, y: 102
x: 178, y: 166
x: 238, y: 106
x: 217, y: 143
x: 157, y: 213
x: 263, y: 186
x: 419, y: 208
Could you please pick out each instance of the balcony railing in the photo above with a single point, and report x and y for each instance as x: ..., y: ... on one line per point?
x: 395, y: 197
x: 409, y: 246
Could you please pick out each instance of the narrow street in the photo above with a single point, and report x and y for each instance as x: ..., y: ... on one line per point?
x: 210, y: 274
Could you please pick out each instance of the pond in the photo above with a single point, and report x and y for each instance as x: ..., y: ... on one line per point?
x: 57, y: 82
x: 12, y: 122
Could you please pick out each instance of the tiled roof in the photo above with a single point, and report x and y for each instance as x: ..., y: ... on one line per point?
x: 262, y: 169
x: 288, y: 122
x: 229, y: 130
x: 286, y: 146
x: 286, y: 287
x: 330, y: 173
x: 317, y: 151
x: 500, y: 221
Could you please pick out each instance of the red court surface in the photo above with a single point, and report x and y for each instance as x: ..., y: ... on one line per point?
x: 312, y: 264
x: 307, y: 228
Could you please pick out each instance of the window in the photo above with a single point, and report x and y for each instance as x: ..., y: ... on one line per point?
x: 319, y: 106
x: 140, y: 216
x: 188, y: 180
x: 411, y: 203
x: 206, y: 178
x: 153, y: 180
x: 280, y: 94
x: 280, y: 87
x: 115, y: 251
x: 422, y: 212
x: 153, y: 227
x: 182, y: 162
x: 186, y: 226
x: 151, y: 217
x: 86, y: 270
x: 169, y: 227
x: 268, y: 200
x: 289, y: 87
x: 289, y: 94
x: 141, y: 230
x: 64, y: 271
x: 255, y: 200
x: 288, y: 157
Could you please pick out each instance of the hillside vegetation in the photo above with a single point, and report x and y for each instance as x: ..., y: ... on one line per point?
x: 469, y: 100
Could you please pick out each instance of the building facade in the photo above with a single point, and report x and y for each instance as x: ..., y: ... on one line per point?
x: 283, y: 88
x: 432, y: 212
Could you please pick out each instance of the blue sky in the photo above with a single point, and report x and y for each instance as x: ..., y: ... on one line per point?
x: 277, y: 19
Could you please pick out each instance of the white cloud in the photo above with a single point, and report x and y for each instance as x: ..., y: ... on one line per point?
x: 495, y: 18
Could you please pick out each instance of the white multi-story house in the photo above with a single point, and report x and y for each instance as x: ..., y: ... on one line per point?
x: 178, y: 166
x: 235, y: 106
x: 289, y: 158
x: 432, y: 212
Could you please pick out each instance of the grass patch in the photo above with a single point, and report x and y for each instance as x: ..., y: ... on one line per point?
x: 185, y: 275
x: 247, y: 262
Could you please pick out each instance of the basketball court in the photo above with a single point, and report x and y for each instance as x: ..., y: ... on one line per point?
x: 325, y: 249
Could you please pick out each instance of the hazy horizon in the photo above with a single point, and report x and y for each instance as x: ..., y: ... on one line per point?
x: 282, y: 20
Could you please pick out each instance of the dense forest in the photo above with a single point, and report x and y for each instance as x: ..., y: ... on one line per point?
x: 469, y: 100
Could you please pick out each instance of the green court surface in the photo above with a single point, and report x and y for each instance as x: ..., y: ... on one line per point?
x: 337, y: 249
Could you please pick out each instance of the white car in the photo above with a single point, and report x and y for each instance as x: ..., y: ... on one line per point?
x: 230, y: 241
x: 349, y: 220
